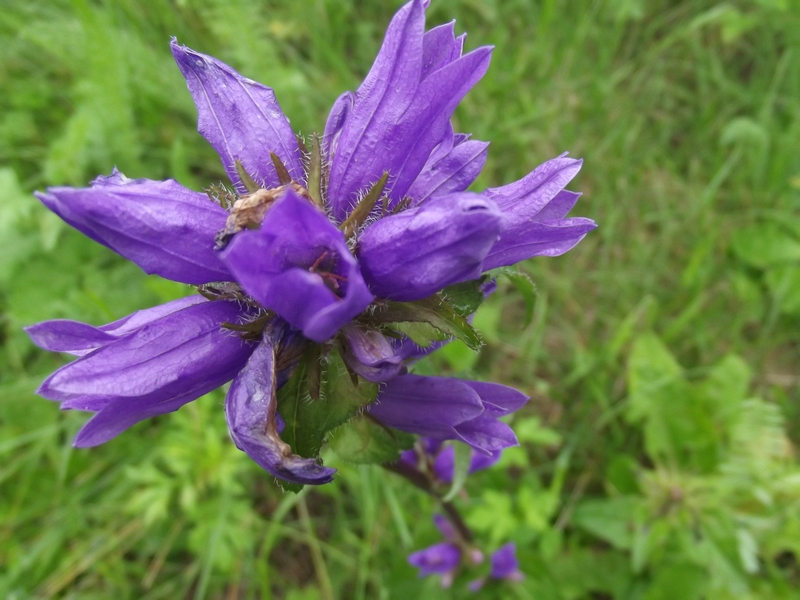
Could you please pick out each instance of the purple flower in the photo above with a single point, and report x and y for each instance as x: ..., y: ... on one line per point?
x: 444, y: 558
x: 450, y: 409
x: 504, y: 566
x: 297, y: 259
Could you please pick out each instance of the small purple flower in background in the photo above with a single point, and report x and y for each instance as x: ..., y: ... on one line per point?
x: 504, y: 566
x: 444, y: 558
x: 316, y: 270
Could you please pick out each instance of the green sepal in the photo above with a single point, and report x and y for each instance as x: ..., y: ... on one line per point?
x: 315, y: 171
x: 247, y: 181
x: 466, y: 297
x: 363, y: 209
x: 308, y: 420
x: 280, y: 169
x: 362, y: 440
x: 434, y: 311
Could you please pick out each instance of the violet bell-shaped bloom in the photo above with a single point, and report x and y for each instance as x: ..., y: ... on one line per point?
x: 505, y: 566
x: 442, y: 408
x: 290, y: 257
x: 444, y: 558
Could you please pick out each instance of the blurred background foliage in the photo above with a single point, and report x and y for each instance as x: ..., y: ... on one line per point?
x: 659, y: 450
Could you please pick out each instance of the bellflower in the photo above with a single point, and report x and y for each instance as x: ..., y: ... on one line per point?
x: 315, y: 270
x: 444, y: 558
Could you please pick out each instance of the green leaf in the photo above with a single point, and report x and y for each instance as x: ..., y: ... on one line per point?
x: 524, y: 285
x: 463, y: 458
x: 610, y: 519
x: 765, y: 245
x: 364, y: 441
x: 308, y: 421
x: 360, y: 213
x: 465, y: 298
x: 783, y: 282
x: 433, y: 311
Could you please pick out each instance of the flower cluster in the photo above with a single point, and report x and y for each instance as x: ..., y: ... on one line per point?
x: 329, y: 266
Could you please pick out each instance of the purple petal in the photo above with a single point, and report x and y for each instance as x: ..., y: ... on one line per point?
x: 505, y: 564
x: 370, y: 354
x: 453, y: 172
x: 250, y: 409
x: 154, y: 370
x: 403, y: 108
x: 440, y: 47
x: 274, y: 265
x: 240, y: 118
x: 486, y: 434
x: 62, y: 335
x: 440, y: 558
x: 419, y: 251
x: 444, y: 463
x: 551, y: 238
x: 162, y: 226
x: 522, y: 200
x: 535, y: 207
x: 336, y: 120
x: 498, y: 399
x: 449, y: 409
x: 446, y: 528
x: 428, y: 406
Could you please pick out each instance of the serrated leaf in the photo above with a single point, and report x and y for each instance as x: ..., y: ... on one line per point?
x: 465, y: 298
x: 527, y: 290
x: 308, y: 421
x: 363, y: 441
x: 433, y: 311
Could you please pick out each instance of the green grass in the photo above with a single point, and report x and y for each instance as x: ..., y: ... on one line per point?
x: 658, y: 456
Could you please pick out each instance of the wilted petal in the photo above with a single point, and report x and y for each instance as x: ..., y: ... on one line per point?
x: 298, y: 264
x: 240, y: 118
x: 550, y: 238
x: 250, y: 408
x: 153, y: 370
x: 163, y: 227
x: 403, y: 108
x: 437, y: 559
x: 421, y: 250
x: 74, y: 337
x: 370, y: 354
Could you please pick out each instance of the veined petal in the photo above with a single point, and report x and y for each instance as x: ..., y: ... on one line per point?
x: 442, y: 408
x: 422, y: 125
x: 385, y: 93
x: 428, y: 406
x: 453, y: 172
x: 440, y: 47
x: 240, y: 118
x: 535, y: 207
x: 153, y: 370
x: 421, y: 250
x: 74, y: 337
x: 250, y: 409
x: 525, y: 240
x: 370, y: 354
x: 163, y: 227
x: 182, y: 355
x: 336, y: 120
x: 522, y: 200
x: 298, y: 264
